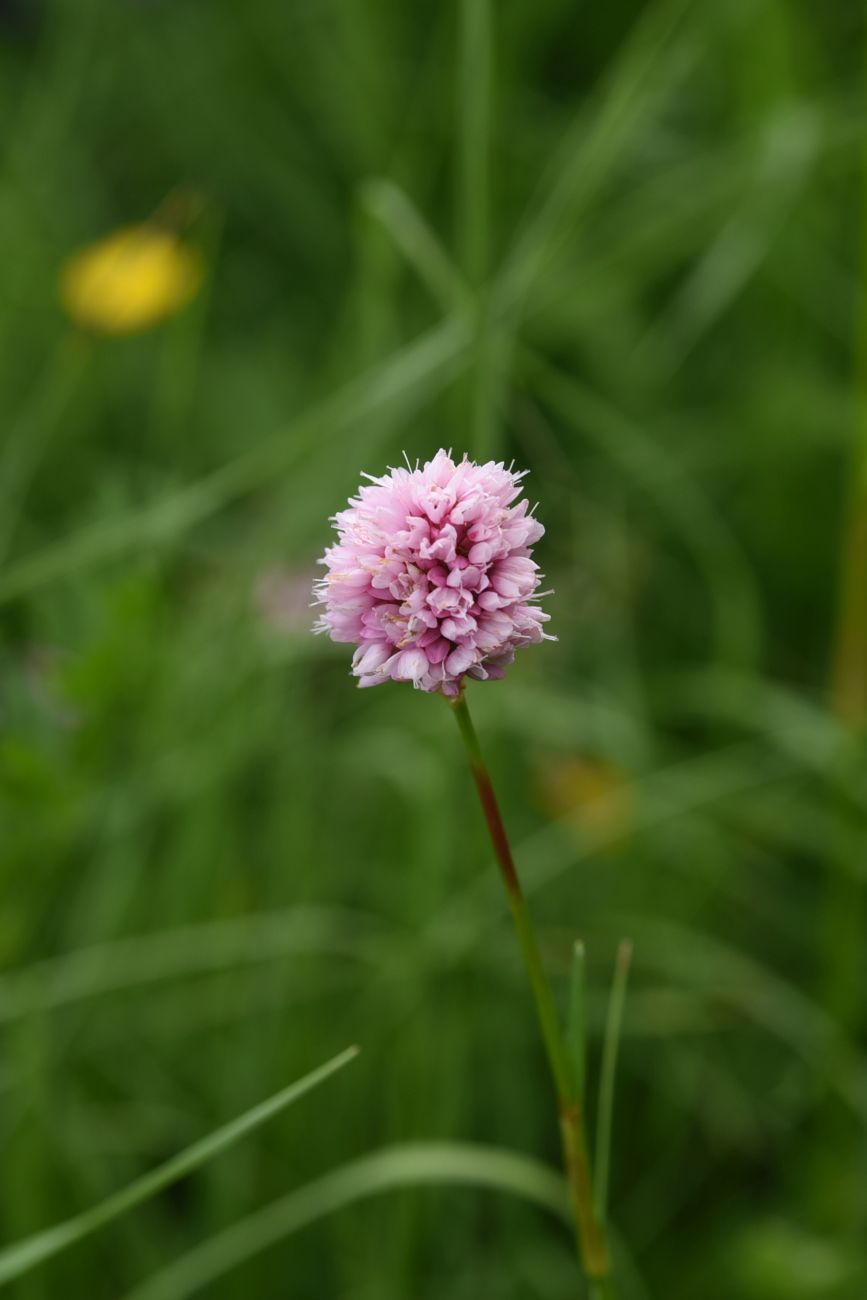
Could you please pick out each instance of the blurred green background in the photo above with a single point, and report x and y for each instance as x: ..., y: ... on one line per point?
x: 619, y: 244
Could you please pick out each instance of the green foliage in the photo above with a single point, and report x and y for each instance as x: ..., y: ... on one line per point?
x: 618, y: 244
x: 19, y: 1258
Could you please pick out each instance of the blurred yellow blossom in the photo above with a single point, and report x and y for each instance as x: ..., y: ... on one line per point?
x: 592, y: 794
x: 130, y: 280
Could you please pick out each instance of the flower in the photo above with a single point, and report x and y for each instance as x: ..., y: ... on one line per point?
x: 432, y: 576
x: 130, y: 280
x: 593, y: 795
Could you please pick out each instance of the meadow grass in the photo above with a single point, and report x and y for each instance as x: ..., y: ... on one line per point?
x: 620, y: 245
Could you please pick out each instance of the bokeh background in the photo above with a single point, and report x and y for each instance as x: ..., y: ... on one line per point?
x: 619, y: 244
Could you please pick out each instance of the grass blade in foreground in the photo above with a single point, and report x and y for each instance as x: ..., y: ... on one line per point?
x: 576, y: 1025
x: 207, y: 947
x: 412, y: 1165
x: 609, y: 1071
x: 24, y: 1255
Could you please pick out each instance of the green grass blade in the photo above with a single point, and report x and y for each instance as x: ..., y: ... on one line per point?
x: 413, y: 1165
x: 26, y: 442
x: 27, y: 1254
x: 643, y: 73
x: 412, y: 235
x: 474, y: 112
x: 777, y: 1005
x: 173, y: 954
x: 730, y: 580
x: 807, y: 734
x: 406, y: 376
x: 576, y: 1022
x: 786, y: 151
x: 605, y: 1111
x: 474, y: 214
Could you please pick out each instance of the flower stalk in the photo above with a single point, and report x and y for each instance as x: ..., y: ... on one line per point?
x: 592, y: 1245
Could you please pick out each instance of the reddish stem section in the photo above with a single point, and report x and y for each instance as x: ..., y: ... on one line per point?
x: 499, y: 838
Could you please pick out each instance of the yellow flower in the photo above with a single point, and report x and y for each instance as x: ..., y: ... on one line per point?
x: 593, y: 795
x: 130, y: 280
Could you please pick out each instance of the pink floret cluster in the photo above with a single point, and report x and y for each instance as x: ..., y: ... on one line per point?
x: 432, y: 576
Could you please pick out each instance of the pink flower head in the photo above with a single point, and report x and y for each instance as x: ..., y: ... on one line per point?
x: 432, y: 576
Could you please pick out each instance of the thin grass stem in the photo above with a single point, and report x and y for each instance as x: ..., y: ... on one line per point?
x: 474, y: 212
x: 576, y: 1024
x: 613, y: 1026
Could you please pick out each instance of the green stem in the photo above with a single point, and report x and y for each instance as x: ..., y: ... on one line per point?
x: 475, y: 96
x: 849, y: 666
x: 591, y: 1238
x: 846, y: 906
x: 845, y: 902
